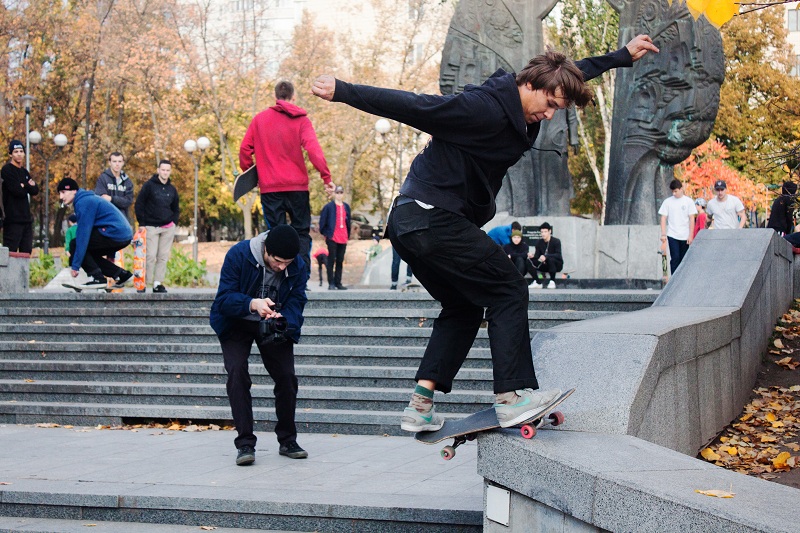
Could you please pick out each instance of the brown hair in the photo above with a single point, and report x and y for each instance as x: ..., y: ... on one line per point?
x: 551, y: 70
x: 284, y: 90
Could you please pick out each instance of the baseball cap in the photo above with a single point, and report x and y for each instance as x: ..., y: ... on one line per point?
x: 339, y: 188
x: 720, y: 185
x: 67, y: 184
x: 700, y: 201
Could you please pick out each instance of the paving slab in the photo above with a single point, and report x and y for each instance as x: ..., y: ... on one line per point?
x: 158, y: 470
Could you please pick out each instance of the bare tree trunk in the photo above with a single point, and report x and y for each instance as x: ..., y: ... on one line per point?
x: 87, y: 120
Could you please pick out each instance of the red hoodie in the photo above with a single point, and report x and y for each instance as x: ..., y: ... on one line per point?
x: 276, y: 136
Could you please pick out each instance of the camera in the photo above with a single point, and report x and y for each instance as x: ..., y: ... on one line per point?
x: 272, y: 330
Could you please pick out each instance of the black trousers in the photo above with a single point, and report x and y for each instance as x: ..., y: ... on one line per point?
x: 276, y: 205
x: 335, y: 261
x: 278, y: 359
x: 677, y: 249
x: 466, y: 271
x: 18, y: 237
x: 543, y: 268
x: 524, y: 266
x: 95, y: 260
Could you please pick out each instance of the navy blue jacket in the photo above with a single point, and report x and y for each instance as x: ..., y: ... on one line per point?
x: 240, y: 281
x: 327, y: 219
x: 475, y: 135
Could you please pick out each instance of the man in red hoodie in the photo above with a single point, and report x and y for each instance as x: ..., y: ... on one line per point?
x: 277, y: 136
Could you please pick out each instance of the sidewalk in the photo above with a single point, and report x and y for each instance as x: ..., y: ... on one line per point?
x: 153, y: 475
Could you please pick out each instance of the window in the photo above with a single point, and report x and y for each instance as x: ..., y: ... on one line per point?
x: 795, y: 67
x: 793, y: 19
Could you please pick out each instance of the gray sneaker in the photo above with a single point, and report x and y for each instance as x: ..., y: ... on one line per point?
x: 414, y: 421
x: 529, y: 403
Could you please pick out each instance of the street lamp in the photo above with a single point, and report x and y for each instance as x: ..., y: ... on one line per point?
x: 26, y: 101
x: 383, y: 126
x: 60, y: 141
x: 192, y: 146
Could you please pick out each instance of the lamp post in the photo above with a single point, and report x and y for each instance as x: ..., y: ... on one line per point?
x: 383, y: 127
x: 60, y: 141
x: 26, y: 101
x: 192, y: 146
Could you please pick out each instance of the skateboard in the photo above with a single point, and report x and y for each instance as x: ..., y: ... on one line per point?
x: 467, y: 429
x: 411, y: 287
x: 139, y: 258
x: 662, y: 251
x: 81, y: 288
x: 245, y: 182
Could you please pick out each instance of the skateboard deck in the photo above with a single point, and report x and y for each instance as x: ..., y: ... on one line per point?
x: 81, y: 288
x: 468, y: 428
x: 245, y: 182
x: 140, y: 258
x: 411, y: 287
x: 662, y: 251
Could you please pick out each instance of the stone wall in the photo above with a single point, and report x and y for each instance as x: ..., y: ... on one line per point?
x: 672, y: 375
x: 14, y: 271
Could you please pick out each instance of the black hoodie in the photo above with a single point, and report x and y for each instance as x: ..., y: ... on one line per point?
x: 781, y: 216
x: 16, y: 189
x: 475, y: 135
x: 157, y: 203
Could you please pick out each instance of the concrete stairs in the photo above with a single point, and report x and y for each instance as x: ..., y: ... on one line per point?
x: 97, y: 358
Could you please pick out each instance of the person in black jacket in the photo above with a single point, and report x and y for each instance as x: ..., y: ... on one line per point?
x: 17, y: 188
x: 547, y: 257
x: 157, y: 209
x: 781, y: 216
x: 519, y: 252
x: 114, y: 185
x: 450, y: 193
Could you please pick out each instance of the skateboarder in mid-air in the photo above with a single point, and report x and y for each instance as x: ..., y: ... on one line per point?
x: 449, y: 194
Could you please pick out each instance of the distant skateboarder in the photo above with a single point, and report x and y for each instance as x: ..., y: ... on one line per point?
x: 449, y: 194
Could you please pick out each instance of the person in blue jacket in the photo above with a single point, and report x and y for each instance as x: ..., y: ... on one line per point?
x: 449, y: 193
x: 261, y: 297
x: 102, y: 230
x: 502, y: 234
x: 334, y: 225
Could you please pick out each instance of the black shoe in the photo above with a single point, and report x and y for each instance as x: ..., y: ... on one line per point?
x: 393, y: 287
x: 341, y: 287
x: 246, y: 456
x: 96, y: 283
x: 331, y: 287
x: 292, y: 450
x: 122, y: 279
x: 160, y: 288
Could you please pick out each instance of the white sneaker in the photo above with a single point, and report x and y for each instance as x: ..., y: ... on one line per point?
x: 551, y: 285
x: 529, y: 403
x: 536, y: 285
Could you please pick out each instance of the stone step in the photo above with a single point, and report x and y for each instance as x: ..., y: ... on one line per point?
x: 313, y: 317
x: 211, y: 352
x: 212, y: 373
x: 309, y: 397
x: 336, y: 335
x: 11, y: 524
x: 348, y: 422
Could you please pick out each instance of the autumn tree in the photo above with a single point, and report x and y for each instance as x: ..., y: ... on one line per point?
x: 759, y: 100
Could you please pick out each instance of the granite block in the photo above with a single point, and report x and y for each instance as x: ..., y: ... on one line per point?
x: 687, y: 401
x: 530, y: 515
x: 612, y: 251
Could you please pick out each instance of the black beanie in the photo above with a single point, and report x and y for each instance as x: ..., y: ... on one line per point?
x: 13, y: 145
x: 282, y: 241
x: 67, y: 184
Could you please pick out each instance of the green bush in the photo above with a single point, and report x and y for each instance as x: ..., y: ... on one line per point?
x: 183, y: 271
x: 42, y: 270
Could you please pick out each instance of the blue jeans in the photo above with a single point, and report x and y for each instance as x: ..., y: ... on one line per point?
x: 677, y: 249
x: 396, y: 260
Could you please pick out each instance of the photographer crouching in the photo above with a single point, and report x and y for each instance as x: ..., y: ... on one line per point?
x: 261, y: 296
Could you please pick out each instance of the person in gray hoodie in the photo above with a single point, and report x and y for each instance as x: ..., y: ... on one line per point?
x: 450, y: 193
x: 114, y: 185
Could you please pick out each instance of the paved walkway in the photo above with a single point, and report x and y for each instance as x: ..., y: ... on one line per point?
x: 91, y: 467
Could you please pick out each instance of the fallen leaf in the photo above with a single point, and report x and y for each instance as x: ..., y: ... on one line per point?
x: 208, y: 528
x: 89, y: 525
x: 4, y: 483
x: 709, y: 455
x: 771, y: 417
x: 716, y: 493
x: 778, y: 344
x: 30, y: 381
x: 780, y: 460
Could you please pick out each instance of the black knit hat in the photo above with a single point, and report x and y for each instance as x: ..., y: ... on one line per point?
x: 67, y: 184
x: 13, y: 145
x: 545, y: 225
x: 282, y: 241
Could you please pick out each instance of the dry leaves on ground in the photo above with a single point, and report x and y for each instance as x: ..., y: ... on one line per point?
x: 169, y: 426
x: 716, y: 493
x: 765, y: 438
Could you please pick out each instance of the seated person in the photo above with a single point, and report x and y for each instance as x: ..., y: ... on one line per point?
x: 519, y: 252
x: 547, y: 258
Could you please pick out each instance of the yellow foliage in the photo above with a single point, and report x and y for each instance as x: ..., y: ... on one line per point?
x: 709, y: 455
x: 718, y: 12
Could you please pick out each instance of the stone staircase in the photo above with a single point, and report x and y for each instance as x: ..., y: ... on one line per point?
x: 87, y: 359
